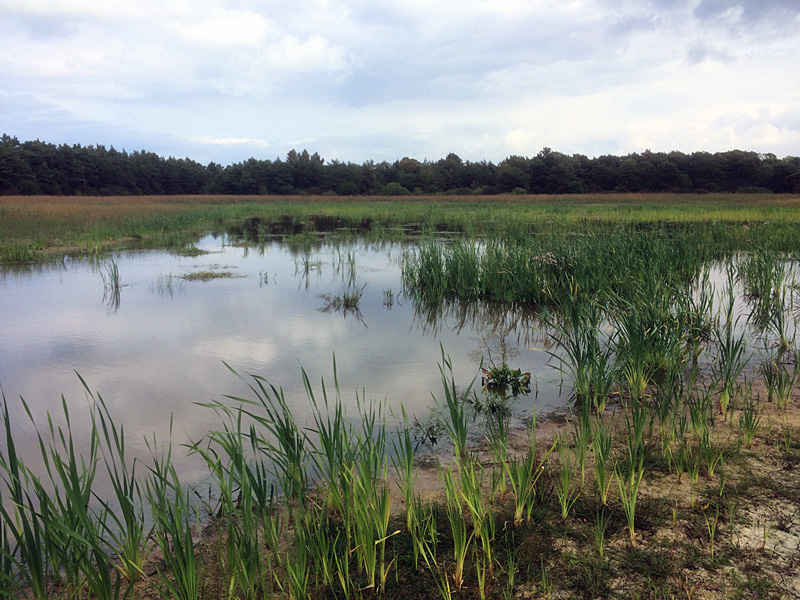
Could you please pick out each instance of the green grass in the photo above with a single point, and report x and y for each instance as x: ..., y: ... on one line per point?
x: 34, y: 227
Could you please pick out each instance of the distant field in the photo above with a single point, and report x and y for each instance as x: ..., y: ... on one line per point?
x: 32, y: 225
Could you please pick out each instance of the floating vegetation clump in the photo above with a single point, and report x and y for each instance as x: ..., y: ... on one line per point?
x: 207, y: 275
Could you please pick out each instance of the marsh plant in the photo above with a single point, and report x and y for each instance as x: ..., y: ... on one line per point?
x: 601, y: 448
x: 731, y: 349
x: 696, y: 311
x: 750, y: 419
x: 628, y: 482
x: 566, y: 488
x: 584, y: 356
x: 456, y: 421
x: 778, y: 379
x: 711, y: 519
x: 768, y: 281
x: 523, y: 474
x: 347, y: 303
x: 458, y: 527
x: 112, y: 285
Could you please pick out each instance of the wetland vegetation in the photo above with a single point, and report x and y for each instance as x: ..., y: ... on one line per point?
x: 672, y: 475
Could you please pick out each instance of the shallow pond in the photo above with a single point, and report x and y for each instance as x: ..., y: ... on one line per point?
x: 159, y: 346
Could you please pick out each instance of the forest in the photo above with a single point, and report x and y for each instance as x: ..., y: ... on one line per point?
x: 36, y: 167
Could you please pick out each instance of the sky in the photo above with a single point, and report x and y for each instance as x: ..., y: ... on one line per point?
x: 358, y: 80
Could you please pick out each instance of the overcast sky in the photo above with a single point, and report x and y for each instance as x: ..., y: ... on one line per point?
x: 354, y: 80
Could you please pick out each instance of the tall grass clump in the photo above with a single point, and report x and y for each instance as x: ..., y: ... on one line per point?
x: 174, y: 518
x: 601, y: 448
x: 584, y: 357
x: 288, y: 452
x: 456, y: 421
x: 778, y: 379
x: 629, y: 477
x: 64, y: 543
x: 731, y: 347
x: 226, y: 458
x: 416, y: 519
x: 523, y: 474
x: 125, y: 524
x: 458, y: 527
x: 25, y: 565
x: 545, y: 269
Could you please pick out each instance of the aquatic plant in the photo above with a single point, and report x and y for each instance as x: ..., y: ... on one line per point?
x: 456, y: 424
x: 583, y: 357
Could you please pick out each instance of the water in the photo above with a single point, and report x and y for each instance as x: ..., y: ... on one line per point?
x: 157, y: 350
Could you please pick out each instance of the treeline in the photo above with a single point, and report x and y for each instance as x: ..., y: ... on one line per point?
x: 34, y: 167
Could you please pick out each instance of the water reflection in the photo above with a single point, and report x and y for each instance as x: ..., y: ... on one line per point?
x: 521, y: 324
x: 151, y: 358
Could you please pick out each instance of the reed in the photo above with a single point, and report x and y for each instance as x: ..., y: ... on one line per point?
x: 778, y: 380
x: 225, y: 457
x: 483, y: 524
x: 125, y: 523
x: 566, y: 491
x: 456, y: 424
x: 458, y: 528
x: 289, y: 453
x: 523, y: 474
x: 403, y: 461
x: 710, y: 452
x: 696, y: 311
x: 173, y: 517
x: 582, y: 439
x: 628, y: 483
x: 333, y: 442
x: 298, y: 571
x: 600, y: 526
x: 25, y: 565
x: 693, y: 470
x: 731, y: 349
x: 497, y: 438
x: 583, y: 357
x: 750, y: 419
x: 629, y: 490
x: 711, y: 521
x: 601, y: 447
x: 111, y: 283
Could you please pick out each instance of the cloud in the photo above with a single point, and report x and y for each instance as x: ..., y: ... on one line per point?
x: 233, y: 141
x: 368, y: 80
x: 239, y: 28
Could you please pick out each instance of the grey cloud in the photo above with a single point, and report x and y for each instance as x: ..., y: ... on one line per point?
x: 700, y: 51
x: 631, y: 24
x: 668, y: 4
x: 40, y: 27
x: 745, y: 12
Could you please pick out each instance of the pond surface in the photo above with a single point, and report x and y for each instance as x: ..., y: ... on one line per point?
x: 157, y: 348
